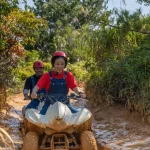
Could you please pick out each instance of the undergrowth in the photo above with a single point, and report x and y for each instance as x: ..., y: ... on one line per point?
x: 126, y: 81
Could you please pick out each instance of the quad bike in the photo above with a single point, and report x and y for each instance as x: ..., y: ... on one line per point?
x: 58, y: 129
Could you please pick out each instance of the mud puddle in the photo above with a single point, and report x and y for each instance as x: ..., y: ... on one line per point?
x: 118, y: 129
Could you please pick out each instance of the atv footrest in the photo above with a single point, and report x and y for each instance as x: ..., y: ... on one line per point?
x: 59, y: 142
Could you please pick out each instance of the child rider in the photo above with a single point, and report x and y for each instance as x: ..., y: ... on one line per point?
x: 57, y: 82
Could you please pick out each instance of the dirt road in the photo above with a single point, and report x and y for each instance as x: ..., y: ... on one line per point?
x: 114, y: 127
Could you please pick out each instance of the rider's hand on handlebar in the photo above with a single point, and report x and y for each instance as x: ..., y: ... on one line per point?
x: 82, y: 95
x: 34, y: 96
x: 27, y: 98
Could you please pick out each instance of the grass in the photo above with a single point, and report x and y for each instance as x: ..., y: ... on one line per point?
x: 6, y: 140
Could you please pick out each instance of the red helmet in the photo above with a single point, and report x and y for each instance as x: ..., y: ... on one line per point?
x: 38, y: 63
x: 58, y: 54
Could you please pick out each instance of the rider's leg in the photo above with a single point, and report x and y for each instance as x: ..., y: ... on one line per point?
x: 45, y: 107
x: 33, y: 104
x: 73, y: 110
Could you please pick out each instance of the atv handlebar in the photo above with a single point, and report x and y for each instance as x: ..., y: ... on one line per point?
x: 54, y: 98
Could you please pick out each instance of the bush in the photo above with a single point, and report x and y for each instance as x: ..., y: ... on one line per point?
x: 32, y: 56
x: 78, y: 71
x: 47, y: 66
x: 126, y: 81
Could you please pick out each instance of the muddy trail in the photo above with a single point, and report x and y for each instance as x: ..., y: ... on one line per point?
x: 114, y: 127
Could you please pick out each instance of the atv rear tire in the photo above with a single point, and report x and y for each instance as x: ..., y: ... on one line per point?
x: 88, y: 141
x: 31, y: 140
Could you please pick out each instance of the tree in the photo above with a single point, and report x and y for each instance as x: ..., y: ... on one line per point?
x: 146, y: 2
x: 17, y: 27
x: 61, y: 14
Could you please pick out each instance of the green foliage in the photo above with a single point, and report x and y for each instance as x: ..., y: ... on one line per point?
x: 47, y: 66
x: 5, y: 70
x: 17, y: 27
x: 24, y: 70
x: 146, y: 2
x: 32, y: 56
x: 61, y: 15
x: 7, y: 6
x: 78, y: 71
x: 126, y: 81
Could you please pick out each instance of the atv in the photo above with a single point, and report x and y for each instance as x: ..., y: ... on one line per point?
x: 58, y: 129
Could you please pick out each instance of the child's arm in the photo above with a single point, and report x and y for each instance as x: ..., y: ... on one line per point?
x: 77, y: 91
x: 34, y: 92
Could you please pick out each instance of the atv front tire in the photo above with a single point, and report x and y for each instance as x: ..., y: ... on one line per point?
x: 88, y: 141
x: 31, y: 140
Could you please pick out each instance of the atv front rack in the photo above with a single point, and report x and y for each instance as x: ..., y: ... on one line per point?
x: 59, y: 142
